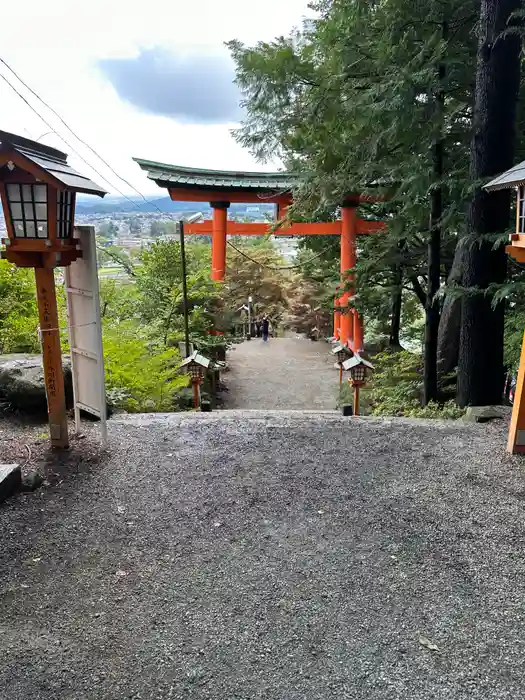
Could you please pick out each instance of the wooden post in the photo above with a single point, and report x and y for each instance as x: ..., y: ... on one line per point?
x: 340, y: 375
x: 356, y: 400
x: 348, y: 261
x: 195, y: 393
x: 516, y: 438
x: 51, y: 356
x: 218, y: 242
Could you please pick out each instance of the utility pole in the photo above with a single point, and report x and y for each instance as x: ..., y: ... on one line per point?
x: 250, y: 300
x: 184, y: 289
x: 190, y: 220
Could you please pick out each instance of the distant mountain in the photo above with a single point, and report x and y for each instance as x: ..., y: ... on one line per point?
x: 135, y: 205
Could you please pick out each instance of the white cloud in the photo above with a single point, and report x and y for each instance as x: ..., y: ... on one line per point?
x: 57, y: 45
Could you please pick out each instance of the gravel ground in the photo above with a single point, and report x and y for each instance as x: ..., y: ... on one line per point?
x: 245, y: 555
x: 284, y: 373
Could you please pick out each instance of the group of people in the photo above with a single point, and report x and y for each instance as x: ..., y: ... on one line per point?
x: 261, y: 328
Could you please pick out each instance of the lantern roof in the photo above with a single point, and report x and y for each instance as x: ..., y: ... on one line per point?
x: 339, y: 347
x: 510, y: 178
x: 355, y: 361
x: 196, y: 358
x: 193, y: 178
x: 46, y: 163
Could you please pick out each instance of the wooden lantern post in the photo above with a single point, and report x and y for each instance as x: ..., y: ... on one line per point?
x: 51, y: 355
x: 196, y: 366
x: 38, y: 191
x: 359, y: 369
x: 196, y: 387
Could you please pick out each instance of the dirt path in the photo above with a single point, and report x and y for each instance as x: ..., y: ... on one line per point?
x: 285, y: 373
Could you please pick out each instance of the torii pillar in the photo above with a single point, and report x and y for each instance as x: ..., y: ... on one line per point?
x: 218, y: 240
x: 337, y: 316
x: 351, y: 322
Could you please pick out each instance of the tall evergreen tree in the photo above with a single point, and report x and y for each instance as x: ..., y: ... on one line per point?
x: 480, y: 367
x: 375, y: 93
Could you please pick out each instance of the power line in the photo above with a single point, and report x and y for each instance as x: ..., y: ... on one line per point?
x: 270, y: 267
x: 73, y: 133
x: 97, y: 155
x: 73, y: 149
x: 83, y: 142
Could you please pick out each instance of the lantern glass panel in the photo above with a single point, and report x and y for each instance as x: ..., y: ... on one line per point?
x: 195, y: 371
x: 28, y: 210
x: 65, y: 214
x: 521, y: 209
x: 358, y: 373
x: 16, y: 210
x: 13, y: 193
x: 41, y: 212
x: 40, y: 193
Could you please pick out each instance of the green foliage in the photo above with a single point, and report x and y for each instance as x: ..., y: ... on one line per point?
x: 140, y: 374
x: 108, y: 230
x: 357, y: 101
x: 255, y: 270
x: 395, y: 389
x: 159, y: 285
x: 18, y: 310
x: 514, y: 330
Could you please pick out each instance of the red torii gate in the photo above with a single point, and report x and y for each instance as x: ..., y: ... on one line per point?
x: 221, y: 187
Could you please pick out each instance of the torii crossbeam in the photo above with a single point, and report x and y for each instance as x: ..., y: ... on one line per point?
x: 221, y: 187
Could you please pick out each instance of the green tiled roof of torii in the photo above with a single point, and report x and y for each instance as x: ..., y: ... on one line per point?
x: 178, y: 176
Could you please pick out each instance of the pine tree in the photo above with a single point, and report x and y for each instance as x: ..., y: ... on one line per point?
x: 480, y: 367
x: 375, y: 97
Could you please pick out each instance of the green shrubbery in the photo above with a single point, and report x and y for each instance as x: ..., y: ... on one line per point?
x: 395, y: 389
x: 18, y: 311
x: 142, y: 323
x: 140, y: 374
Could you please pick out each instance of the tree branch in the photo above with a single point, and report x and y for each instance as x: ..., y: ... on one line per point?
x: 418, y: 290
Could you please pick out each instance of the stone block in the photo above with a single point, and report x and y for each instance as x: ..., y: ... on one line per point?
x: 483, y: 414
x: 10, y: 480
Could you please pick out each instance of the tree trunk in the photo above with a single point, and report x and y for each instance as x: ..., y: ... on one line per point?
x: 430, y: 382
x: 480, y: 365
x: 397, y: 301
x: 450, y: 321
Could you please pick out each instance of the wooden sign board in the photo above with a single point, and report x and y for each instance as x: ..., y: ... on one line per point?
x: 85, y: 331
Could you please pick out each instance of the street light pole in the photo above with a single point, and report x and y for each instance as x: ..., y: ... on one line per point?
x: 184, y: 289
x: 190, y: 220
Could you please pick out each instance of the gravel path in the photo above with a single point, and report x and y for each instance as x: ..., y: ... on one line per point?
x: 272, y: 556
x: 284, y: 373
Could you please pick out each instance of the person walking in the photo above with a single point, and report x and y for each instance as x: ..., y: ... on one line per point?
x: 265, y: 328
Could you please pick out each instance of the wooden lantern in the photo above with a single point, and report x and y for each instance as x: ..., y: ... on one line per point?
x: 38, y: 190
x: 343, y: 353
x: 359, y: 369
x: 196, y: 366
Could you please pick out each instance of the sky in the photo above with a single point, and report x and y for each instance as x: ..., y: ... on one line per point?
x: 150, y: 79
